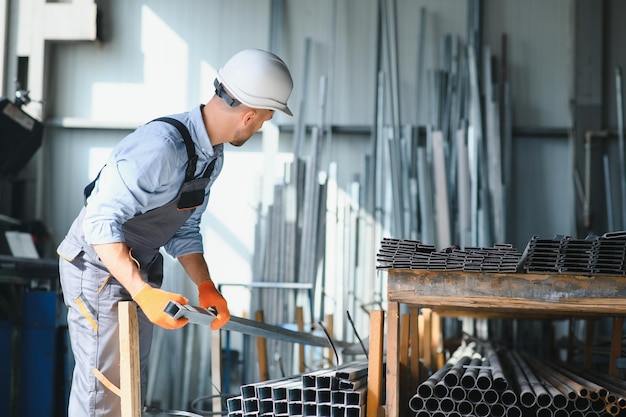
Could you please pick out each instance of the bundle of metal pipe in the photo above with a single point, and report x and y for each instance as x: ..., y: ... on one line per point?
x: 478, y: 381
x: 337, y: 392
x: 595, y: 392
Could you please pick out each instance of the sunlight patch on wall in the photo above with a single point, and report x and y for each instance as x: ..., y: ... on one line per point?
x: 97, y: 158
x: 207, y: 76
x: 228, y: 226
x: 165, y: 77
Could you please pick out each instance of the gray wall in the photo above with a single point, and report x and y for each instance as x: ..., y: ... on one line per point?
x: 116, y: 83
x: 160, y: 56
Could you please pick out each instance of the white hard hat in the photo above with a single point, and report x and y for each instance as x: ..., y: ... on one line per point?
x: 257, y: 78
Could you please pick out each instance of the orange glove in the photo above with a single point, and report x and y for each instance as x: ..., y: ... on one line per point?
x: 153, y: 301
x: 209, y: 296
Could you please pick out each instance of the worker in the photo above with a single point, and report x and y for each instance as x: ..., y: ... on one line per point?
x: 151, y: 194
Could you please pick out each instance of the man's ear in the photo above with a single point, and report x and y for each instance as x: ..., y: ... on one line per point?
x: 248, y: 116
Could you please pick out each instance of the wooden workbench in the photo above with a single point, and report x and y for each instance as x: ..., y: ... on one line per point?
x: 469, y: 294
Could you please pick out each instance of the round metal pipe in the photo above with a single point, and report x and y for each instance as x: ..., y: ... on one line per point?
x: 612, y: 409
x: 446, y: 405
x: 508, y: 397
x: 458, y: 393
x: 416, y: 403
x: 451, y: 378
x: 526, y: 395
x: 431, y: 404
x: 544, y: 412
x: 498, y: 410
x: 513, y: 411
x: 484, y: 380
x: 561, y: 413
x: 468, y: 379
x: 441, y: 389
x: 499, y: 381
x: 464, y: 407
x: 542, y: 397
x: 490, y: 396
x: 482, y: 409
x: 474, y: 395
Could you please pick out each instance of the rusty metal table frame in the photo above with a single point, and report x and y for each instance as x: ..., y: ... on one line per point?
x: 509, y: 295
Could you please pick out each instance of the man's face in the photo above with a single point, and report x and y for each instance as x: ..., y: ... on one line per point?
x: 253, y: 126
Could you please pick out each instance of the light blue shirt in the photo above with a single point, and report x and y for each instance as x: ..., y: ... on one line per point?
x: 145, y: 171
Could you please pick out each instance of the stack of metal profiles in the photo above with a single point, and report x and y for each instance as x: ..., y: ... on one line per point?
x: 609, y: 254
x: 577, y: 255
x: 411, y: 254
x: 403, y: 254
x: 337, y: 392
x: 593, y: 255
x: 544, y: 255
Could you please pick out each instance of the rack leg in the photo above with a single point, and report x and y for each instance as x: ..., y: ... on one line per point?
x: 393, y: 395
x: 375, y: 363
x: 616, y: 344
x: 589, y: 343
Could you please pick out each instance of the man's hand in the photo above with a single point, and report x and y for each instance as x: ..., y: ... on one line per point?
x: 153, y: 302
x: 209, y: 296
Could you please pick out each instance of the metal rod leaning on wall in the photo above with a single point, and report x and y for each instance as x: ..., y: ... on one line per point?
x: 507, y: 135
x: 589, y: 137
x: 420, y: 64
x: 474, y: 143
x: 378, y: 159
x: 493, y: 149
x: 620, y: 132
x: 300, y: 128
x: 463, y: 187
x: 444, y: 234
x: 607, y: 192
x: 424, y: 182
x: 454, y: 117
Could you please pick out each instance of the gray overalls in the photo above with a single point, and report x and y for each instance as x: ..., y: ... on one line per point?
x: 91, y: 293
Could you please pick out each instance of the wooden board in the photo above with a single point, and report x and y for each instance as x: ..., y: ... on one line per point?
x: 510, y: 293
x: 130, y: 365
x: 393, y: 321
x: 403, y: 371
x: 216, y: 370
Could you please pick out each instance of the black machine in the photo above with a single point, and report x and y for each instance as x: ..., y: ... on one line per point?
x: 20, y: 137
x: 35, y: 367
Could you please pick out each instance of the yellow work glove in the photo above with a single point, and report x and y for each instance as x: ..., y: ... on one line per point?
x: 153, y: 301
x: 209, y: 296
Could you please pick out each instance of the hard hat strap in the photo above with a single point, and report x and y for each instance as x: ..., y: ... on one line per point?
x: 221, y: 92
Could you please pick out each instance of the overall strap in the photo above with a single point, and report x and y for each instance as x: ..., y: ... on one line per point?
x: 191, y: 153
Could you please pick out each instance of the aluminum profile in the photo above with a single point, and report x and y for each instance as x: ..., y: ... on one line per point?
x: 594, y: 255
x: 338, y: 392
x: 405, y: 254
